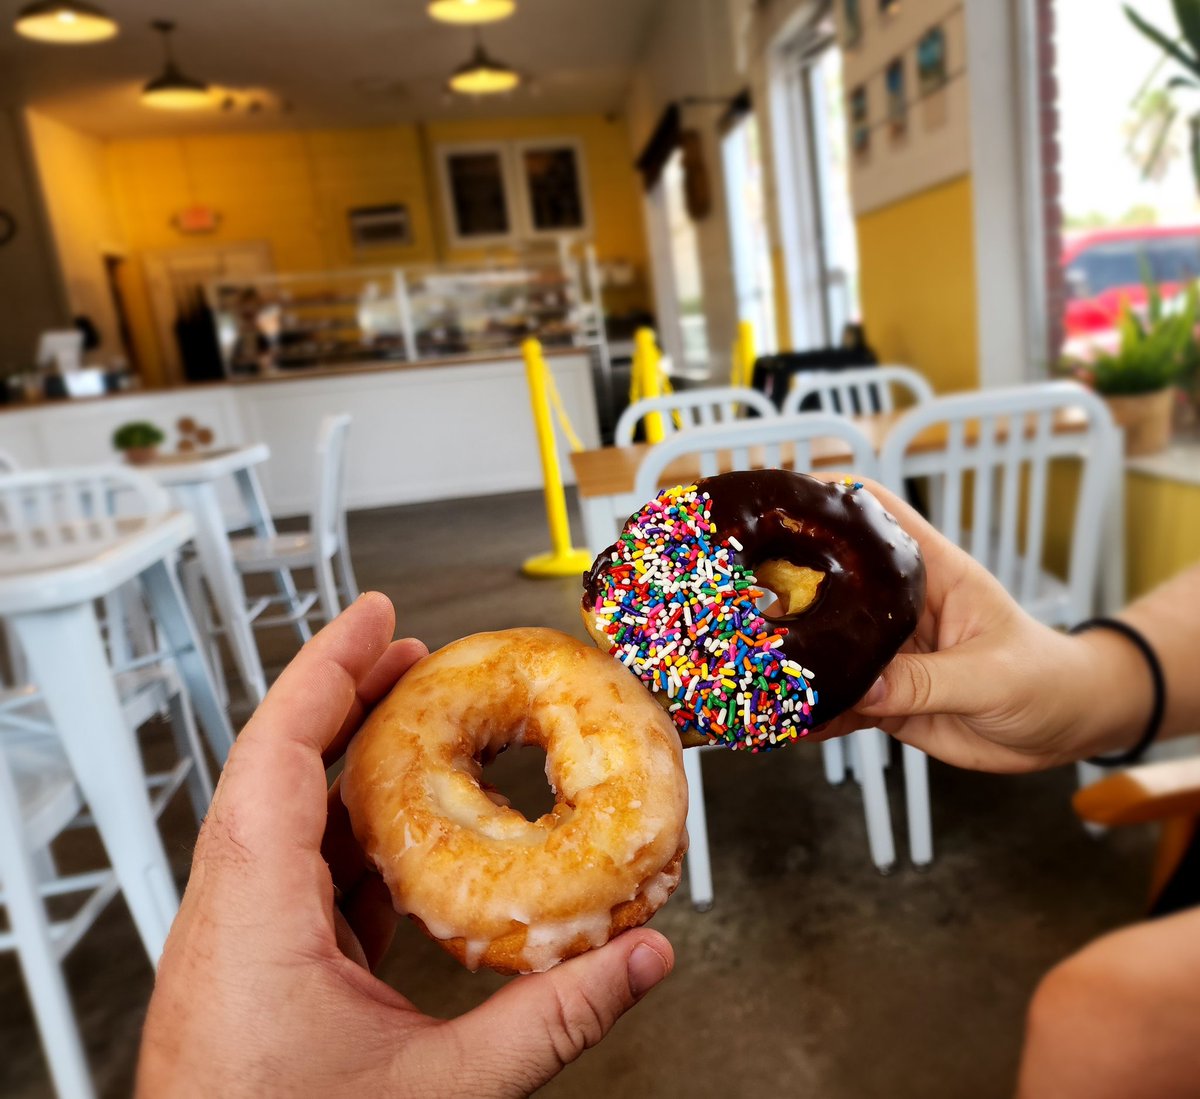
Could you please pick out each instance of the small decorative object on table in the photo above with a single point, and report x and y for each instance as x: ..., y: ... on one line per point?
x: 138, y: 441
x: 1156, y: 352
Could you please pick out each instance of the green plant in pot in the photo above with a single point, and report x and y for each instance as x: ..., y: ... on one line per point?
x: 138, y: 441
x: 1156, y: 352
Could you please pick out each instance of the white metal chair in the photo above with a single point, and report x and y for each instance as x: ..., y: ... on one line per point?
x: 858, y: 391
x: 320, y: 548
x: 728, y: 447
x: 1005, y: 439
x: 694, y: 408
x: 65, y: 515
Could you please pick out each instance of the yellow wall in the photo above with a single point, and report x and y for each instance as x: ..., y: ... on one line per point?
x: 917, y: 274
x: 1162, y: 524
x: 75, y: 187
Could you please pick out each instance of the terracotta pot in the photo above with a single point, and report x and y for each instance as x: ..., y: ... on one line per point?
x: 140, y: 455
x: 1146, y: 420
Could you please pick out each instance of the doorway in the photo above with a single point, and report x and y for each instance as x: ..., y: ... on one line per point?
x: 813, y: 182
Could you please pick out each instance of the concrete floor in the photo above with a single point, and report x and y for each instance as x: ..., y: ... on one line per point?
x: 812, y: 975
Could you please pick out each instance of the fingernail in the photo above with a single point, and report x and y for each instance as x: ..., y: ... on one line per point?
x: 646, y: 968
x: 876, y: 694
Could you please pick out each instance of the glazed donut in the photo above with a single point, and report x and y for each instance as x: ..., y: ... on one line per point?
x: 494, y: 888
x: 675, y: 600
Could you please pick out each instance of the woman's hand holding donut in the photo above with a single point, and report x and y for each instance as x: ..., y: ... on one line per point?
x: 983, y: 685
x: 264, y: 987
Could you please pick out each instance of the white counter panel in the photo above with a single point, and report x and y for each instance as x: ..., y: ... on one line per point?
x: 427, y: 433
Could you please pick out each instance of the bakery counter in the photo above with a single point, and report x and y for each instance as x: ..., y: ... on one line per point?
x: 429, y: 430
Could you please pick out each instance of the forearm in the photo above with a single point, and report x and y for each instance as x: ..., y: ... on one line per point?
x: 1113, y: 689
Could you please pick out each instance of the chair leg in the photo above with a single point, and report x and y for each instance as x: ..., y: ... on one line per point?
x: 875, y: 800
x: 327, y: 588
x: 833, y: 755
x: 187, y: 744
x: 916, y: 798
x: 286, y: 584
x: 350, y: 588
x: 192, y: 578
x: 37, y: 956
x: 699, y: 867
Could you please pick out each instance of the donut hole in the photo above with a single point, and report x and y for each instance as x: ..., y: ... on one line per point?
x: 790, y: 589
x: 517, y: 779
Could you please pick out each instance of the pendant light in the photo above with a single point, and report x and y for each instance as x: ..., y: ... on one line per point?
x: 483, y: 75
x: 172, y: 90
x: 64, y: 22
x: 470, y: 11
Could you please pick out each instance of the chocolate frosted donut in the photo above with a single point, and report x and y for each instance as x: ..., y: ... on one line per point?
x: 675, y: 600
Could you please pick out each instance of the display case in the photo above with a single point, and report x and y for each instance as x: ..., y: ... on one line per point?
x: 267, y: 323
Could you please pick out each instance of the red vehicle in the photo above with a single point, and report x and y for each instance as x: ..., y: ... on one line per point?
x: 1104, y: 266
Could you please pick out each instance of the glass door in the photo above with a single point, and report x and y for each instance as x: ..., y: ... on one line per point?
x: 813, y: 182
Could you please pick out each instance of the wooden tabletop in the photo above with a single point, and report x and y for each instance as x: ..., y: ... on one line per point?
x: 612, y: 470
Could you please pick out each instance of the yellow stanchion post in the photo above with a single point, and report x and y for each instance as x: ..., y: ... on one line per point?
x: 646, y: 360
x: 743, y: 354
x: 563, y: 559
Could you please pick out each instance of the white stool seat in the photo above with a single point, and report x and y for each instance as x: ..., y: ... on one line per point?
x: 254, y: 554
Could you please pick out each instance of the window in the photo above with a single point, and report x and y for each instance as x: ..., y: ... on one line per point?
x: 502, y: 192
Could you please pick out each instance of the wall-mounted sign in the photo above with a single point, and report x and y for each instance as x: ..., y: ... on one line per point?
x: 860, y: 126
x: 197, y: 220
x: 851, y: 23
x: 887, y: 7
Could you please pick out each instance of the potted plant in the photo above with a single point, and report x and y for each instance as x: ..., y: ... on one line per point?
x: 138, y: 441
x: 1138, y: 379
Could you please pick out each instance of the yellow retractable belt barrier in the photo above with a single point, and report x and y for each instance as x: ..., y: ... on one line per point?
x: 563, y: 559
x: 648, y: 379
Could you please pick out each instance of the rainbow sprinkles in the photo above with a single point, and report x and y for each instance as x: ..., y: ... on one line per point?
x: 681, y: 614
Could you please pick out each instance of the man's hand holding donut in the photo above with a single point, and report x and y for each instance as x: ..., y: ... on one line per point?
x: 264, y: 989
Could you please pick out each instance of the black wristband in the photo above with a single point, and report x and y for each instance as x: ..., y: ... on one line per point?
x: 1160, y: 688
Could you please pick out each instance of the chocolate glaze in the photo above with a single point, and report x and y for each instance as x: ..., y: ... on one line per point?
x: 873, y: 590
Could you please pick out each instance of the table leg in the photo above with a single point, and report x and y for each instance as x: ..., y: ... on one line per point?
x: 216, y: 558
x: 67, y: 659
x: 264, y: 526
x: 170, y: 612
x: 599, y: 522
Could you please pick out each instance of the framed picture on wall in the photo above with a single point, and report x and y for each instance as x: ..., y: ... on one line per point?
x: 477, y: 193
x: 386, y: 226
x: 931, y: 60
x: 551, y: 175
x: 851, y: 23
x: 897, y: 98
x: 860, y: 127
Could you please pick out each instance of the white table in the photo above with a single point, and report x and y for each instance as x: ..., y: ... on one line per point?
x: 52, y: 612
x: 193, y: 480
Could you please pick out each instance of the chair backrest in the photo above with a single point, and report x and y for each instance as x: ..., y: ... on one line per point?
x: 1007, y: 440
x: 330, y: 477
x: 859, y: 391
x: 756, y: 444
x: 773, y: 373
x: 52, y: 515
x: 694, y: 408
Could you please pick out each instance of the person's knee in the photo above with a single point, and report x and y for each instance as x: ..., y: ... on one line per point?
x: 1096, y: 1025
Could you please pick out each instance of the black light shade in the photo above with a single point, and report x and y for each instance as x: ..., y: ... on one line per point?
x: 172, y: 89
x: 483, y: 75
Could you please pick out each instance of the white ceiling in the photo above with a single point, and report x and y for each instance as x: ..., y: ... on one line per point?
x: 336, y: 62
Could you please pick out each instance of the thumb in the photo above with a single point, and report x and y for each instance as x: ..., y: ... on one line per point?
x: 532, y: 1028
x: 925, y: 683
